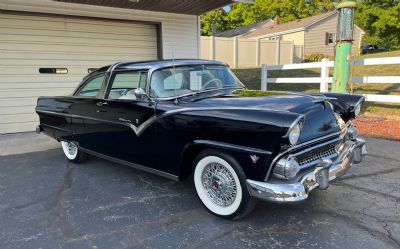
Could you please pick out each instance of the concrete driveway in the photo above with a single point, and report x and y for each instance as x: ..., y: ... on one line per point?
x: 46, y: 202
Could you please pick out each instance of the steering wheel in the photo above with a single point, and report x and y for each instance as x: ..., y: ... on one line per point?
x: 218, y: 83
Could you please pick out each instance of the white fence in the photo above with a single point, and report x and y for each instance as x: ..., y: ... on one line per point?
x: 324, y: 79
x: 248, y: 53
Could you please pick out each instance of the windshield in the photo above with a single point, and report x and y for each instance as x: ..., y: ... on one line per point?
x: 183, y: 80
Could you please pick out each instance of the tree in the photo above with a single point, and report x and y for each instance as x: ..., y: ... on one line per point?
x: 242, y: 14
x: 381, y: 21
x: 216, y: 18
x: 379, y: 18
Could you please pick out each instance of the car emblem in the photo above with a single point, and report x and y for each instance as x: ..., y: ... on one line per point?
x: 254, y: 158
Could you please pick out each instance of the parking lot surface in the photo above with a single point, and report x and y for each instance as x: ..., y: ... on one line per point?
x: 47, y: 202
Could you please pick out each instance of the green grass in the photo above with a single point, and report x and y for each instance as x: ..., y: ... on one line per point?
x: 251, y: 77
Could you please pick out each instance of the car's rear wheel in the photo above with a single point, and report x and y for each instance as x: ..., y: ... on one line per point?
x: 221, y: 185
x: 72, y: 152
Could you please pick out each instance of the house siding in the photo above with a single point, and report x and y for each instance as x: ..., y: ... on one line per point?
x: 314, y: 38
x: 297, y: 38
x: 180, y: 33
x: 46, y: 33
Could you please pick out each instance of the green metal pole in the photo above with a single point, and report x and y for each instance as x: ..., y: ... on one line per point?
x: 341, y: 72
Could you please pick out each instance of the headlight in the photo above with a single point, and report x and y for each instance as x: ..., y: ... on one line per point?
x: 286, y: 168
x: 357, y: 110
x: 294, y: 134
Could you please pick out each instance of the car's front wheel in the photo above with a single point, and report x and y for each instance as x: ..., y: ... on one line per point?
x: 221, y: 185
x: 72, y: 152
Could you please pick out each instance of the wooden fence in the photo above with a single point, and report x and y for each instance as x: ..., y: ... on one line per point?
x: 324, y: 79
x: 246, y: 53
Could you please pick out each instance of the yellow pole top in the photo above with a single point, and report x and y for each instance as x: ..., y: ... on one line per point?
x: 349, y: 4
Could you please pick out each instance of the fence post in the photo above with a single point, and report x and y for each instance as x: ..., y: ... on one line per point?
x: 278, y: 52
x: 235, y: 52
x: 258, y: 52
x: 292, y: 53
x: 212, y: 48
x: 324, y: 75
x: 264, y: 77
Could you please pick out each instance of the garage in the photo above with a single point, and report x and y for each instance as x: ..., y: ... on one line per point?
x: 48, y: 46
x: 50, y: 54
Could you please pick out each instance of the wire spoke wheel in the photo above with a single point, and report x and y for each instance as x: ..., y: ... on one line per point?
x: 219, y: 184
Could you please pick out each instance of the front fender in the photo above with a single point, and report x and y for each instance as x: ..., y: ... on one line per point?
x: 253, y: 161
x: 345, y: 104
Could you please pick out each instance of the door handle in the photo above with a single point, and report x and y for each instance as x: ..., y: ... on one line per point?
x: 101, y: 103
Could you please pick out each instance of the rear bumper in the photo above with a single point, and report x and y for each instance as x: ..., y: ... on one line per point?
x: 352, y: 152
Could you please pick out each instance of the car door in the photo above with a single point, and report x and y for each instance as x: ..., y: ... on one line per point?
x: 85, y: 119
x: 126, y: 131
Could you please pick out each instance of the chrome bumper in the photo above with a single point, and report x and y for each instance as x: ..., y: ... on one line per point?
x: 352, y: 152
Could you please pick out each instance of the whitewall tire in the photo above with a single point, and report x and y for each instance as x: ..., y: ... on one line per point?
x: 71, y: 151
x: 220, y: 185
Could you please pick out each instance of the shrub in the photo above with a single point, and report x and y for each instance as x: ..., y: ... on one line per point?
x: 315, y: 57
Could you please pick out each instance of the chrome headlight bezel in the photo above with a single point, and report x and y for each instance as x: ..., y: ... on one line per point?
x: 294, y: 134
x: 357, y: 108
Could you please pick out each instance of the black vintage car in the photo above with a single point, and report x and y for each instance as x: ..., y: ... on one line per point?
x: 194, y: 118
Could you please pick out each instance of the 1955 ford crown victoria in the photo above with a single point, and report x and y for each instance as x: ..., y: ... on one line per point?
x: 192, y: 118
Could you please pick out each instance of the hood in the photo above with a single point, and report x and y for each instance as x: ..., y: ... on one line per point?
x: 318, y: 116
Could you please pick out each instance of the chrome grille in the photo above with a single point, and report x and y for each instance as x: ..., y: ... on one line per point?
x: 314, y: 156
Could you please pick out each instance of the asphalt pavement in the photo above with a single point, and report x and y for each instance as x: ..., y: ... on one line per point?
x: 47, y: 202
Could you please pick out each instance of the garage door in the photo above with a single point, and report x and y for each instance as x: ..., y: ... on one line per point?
x: 49, y: 55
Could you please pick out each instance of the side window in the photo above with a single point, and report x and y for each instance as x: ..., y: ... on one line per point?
x: 124, y: 83
x: 92, y: 87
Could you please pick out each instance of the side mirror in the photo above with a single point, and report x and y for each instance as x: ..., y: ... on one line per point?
x: 139, y: 93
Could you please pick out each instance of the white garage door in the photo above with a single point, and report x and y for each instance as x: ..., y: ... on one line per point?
x: 69, y: 46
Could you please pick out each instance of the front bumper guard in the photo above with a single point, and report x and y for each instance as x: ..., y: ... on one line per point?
x: 352, y: 152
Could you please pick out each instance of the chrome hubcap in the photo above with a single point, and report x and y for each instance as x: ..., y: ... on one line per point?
x: 219, y: 183
x: 71, y: 148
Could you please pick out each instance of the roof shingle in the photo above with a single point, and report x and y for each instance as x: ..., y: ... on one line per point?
x: 297, y: 24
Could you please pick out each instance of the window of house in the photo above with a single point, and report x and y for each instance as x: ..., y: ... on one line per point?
x: 330, y: 38
x: 92, y: 87
x: 124, y: 83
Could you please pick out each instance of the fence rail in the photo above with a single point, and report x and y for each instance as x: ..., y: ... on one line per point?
x: 324, y: 78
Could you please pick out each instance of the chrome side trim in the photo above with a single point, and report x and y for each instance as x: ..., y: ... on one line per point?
x: 141, y: 128
x: 137, y: 129
x: 133, y: 165
x: 233, y: 147
x: 55, y: 128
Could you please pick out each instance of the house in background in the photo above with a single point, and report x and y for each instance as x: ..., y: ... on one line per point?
x: 48, y: 46
x: 316, y: 34
x: 241, y: 31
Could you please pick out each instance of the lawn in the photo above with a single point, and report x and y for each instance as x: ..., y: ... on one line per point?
x: 251, y: 77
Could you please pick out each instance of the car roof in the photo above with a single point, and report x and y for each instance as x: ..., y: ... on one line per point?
x: 156, y: 64
x: 152, y: 65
